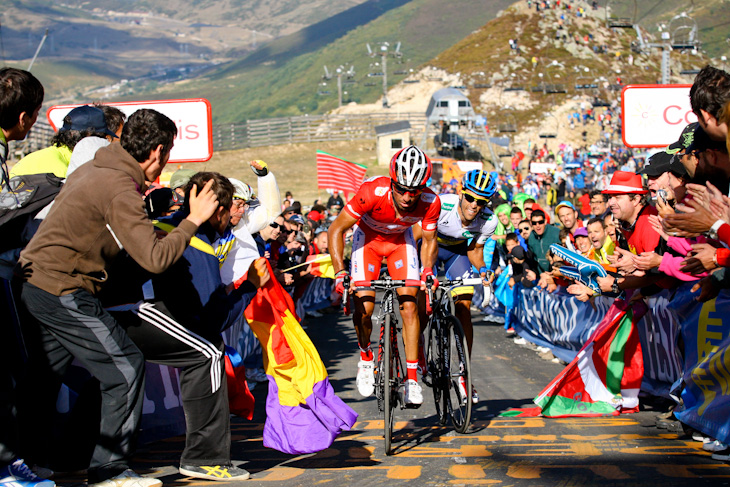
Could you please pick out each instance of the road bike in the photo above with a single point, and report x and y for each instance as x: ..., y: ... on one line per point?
x: 390, y: 372
x: 447, y: 355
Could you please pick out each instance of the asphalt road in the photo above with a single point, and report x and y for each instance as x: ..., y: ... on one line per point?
x: 626, y: 450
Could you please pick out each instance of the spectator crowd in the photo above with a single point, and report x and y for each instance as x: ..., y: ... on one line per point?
x: 103, y: 265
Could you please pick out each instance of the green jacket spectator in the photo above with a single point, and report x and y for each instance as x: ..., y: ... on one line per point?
x: 543, y: 235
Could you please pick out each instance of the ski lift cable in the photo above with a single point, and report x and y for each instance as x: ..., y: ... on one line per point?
x: 660, y: 2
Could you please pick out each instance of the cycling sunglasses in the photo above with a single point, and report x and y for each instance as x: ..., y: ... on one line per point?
x: 400, y: 189
x: 471, y: 199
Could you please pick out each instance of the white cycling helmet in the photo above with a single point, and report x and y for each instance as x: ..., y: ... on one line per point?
x: 410, y: 167
x: 242, y: 190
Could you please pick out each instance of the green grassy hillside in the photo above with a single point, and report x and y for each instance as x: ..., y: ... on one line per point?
x: 286, y: 81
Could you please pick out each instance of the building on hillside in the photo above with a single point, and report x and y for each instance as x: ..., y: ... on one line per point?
x: 449, y: 106
x: 392, y: 137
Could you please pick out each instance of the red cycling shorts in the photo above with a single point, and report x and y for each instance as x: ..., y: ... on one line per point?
x: 369, y: 248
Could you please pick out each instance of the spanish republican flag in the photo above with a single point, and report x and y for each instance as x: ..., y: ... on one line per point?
x: 321, y: 265
x: 303, y: 414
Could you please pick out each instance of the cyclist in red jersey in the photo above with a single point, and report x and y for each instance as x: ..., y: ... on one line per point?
x: 383, y: 212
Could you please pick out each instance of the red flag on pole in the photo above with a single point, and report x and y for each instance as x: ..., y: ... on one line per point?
x: 336, y: 173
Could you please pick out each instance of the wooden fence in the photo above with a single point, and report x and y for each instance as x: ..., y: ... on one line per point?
x: 311, y: 128
x: 272, y: 131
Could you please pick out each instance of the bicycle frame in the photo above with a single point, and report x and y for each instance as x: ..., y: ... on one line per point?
x: 390, y: 372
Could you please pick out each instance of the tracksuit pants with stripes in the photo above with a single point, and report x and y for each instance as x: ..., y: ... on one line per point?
x: 113, y: 348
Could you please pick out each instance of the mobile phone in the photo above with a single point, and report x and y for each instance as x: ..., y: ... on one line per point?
x: 662, y: 195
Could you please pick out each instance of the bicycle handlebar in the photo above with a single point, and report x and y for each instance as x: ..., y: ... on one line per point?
x: 393, y: 283
x: 388, y: 283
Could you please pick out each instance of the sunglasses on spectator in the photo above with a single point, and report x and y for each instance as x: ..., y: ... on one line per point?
x: 597, y: 202
x: 537, y: 222
x: 471, y: 199
x: 276, y: 225
x: 525, y: 229
x: 400, y: 189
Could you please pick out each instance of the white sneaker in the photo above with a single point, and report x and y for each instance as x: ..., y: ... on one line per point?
x: 128, y: 478
x: 520, y: 341
x: 714, y: 446
x: 414, y: 394
x: 365, y: 378
x: 697, y: 436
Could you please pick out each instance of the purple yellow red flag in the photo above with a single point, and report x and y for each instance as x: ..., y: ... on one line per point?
x: 303, y: 414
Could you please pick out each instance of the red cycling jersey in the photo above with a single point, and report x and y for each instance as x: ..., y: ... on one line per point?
x: 373, y: 206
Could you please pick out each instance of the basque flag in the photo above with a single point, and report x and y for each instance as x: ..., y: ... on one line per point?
x: 336, y: 173
x: 603, y: 379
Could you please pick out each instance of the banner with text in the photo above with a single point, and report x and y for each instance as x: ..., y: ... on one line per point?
x: 654, y: 115
x: 192, y: 117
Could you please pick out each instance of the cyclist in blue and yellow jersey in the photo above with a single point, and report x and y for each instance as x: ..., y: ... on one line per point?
x: 464, y: 226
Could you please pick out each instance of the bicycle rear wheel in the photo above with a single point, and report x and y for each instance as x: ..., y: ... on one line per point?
x: 434, y: 359
x: 457, y: 369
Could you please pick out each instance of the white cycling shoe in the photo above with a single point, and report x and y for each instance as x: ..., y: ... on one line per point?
x: 413, y: 394
x: 365, y: 378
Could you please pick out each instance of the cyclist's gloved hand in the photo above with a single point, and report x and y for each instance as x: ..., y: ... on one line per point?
x: 484, y: 274
x: 340, y: 281
x: 428, y: 271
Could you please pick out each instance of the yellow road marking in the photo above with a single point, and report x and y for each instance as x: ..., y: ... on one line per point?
x: 612, y: 421
x: 402, y: 472
x: 467, y: 471
x: 277, y: 474
x: 680, y: 448
x: 552, y: 449
x: 529, y: 438
x: 513, y: 423
x: 524, y: 471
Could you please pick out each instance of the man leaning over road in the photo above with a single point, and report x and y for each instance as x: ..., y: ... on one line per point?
x: 98, y: 213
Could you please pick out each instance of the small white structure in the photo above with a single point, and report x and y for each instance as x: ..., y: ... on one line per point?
x: 392, y: 137
x: 450, y: 106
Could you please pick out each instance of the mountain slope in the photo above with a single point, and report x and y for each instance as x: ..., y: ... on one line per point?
x: 285, y: 85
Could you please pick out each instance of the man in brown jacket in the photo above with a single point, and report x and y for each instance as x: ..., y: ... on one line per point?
x: 99, y: 212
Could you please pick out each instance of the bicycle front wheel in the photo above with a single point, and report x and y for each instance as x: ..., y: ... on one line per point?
x: 458, y: 370
x: 434, y: 359
x: 388, y: 374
